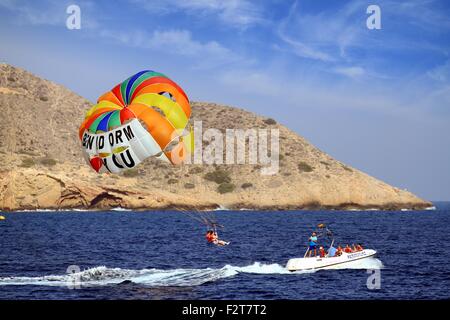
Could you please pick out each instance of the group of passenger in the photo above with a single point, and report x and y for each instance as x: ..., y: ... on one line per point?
x: 354, y: 248
x: 333, y: 252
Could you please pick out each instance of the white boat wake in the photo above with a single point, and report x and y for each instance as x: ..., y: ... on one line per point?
x: 103, y: 276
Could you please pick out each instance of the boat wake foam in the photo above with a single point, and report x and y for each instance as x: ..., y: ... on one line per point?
x: 103, y: 276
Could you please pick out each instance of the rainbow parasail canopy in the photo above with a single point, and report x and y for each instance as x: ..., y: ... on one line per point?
x: 146, y: 115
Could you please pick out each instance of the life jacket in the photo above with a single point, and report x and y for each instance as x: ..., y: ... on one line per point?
x: 209, y: 237
x: 348, y: 250
x: 322, y: 253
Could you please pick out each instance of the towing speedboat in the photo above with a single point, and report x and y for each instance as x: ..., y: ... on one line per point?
x: 314, y: 263
x: 330, y: 260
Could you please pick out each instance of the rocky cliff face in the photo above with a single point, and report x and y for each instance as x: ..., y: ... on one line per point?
x: 43, y: 168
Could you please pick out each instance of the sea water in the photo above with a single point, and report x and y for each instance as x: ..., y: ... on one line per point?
x: 164, y: 255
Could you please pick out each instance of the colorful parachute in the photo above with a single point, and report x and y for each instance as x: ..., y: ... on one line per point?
x: 146, y: 115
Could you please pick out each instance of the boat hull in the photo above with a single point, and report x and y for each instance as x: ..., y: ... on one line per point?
x: 297, y: 264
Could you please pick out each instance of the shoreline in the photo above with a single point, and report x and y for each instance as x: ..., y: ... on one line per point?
x: 346, y: 207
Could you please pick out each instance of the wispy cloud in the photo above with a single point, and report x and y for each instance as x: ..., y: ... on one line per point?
x: 302, y: 50
x: 351, y: 72
x: 27, y: 13
x: 441, y: 73
x: 177, y: 42
x: 234, y: 13
x: 323, y: 36
x: 337, y: 39
x: 422, y: 14
x: 298, y: 47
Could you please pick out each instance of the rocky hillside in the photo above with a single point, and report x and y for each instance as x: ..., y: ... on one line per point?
x: 42, y: 166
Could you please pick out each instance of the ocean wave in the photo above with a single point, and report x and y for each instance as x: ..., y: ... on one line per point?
x: 73, y: 210
x: 103, y: 276
x: 221, y: 208
x: 56, y: 210
x: 120, y: 209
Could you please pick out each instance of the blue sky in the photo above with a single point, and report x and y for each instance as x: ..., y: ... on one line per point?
x: 375, y: 99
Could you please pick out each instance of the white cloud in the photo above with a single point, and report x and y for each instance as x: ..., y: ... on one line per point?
x: 351, y: 72
x: 323, y: 36
x: 181, y: 41
x: 302, y: 50
x: 178, y: 42
x: 235, y: 13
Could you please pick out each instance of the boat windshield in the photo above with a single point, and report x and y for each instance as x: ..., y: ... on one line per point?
x: 332, y: 251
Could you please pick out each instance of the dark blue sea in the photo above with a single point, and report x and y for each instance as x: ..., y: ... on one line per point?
x: 164, y: 255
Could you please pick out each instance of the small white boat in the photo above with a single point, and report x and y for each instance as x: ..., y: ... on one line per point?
x: 314, y: 263
x: 330, y: 260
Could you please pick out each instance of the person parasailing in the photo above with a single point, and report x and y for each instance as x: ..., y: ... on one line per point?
x: 209, y: 220
x: 215, y: 237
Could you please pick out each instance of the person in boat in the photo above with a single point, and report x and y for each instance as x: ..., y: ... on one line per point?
x: 359, y: 247
x: 348, y: 249
x: 313, y: 244
x: 322, y: 252
x: 338, y: 251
